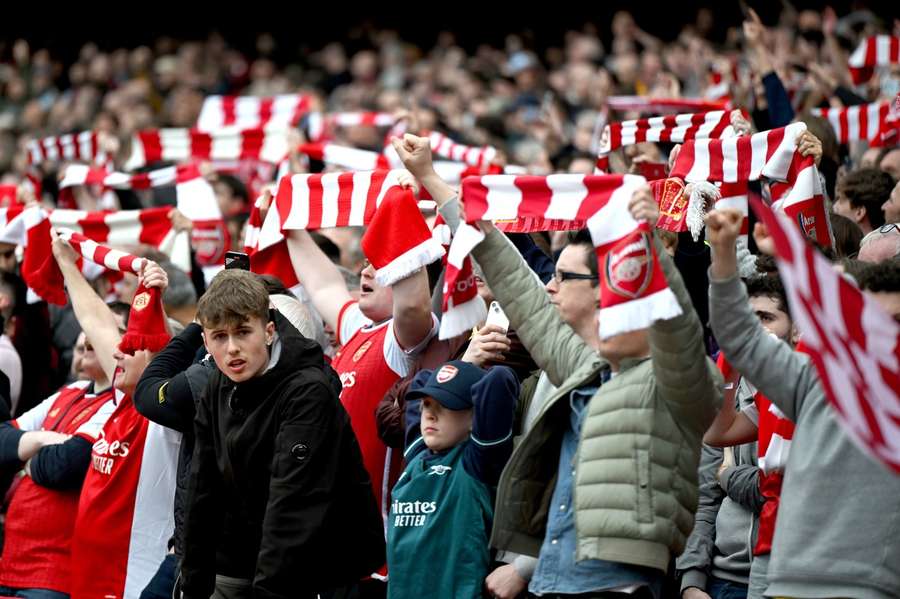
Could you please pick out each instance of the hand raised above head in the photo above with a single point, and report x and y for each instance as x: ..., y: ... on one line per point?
x: 415, y: 153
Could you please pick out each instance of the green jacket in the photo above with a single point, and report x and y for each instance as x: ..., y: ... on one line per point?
x: 636, y: 472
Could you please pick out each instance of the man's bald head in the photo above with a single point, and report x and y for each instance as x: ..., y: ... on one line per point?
x: 878, y: 246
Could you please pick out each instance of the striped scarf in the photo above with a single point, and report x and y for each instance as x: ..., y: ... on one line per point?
x: 796, y: 186
x: 874, y: 51
x: 633, y: 289
x: 248, y: 112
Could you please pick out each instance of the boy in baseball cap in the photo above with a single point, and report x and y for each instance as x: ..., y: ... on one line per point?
x: 441, y: 509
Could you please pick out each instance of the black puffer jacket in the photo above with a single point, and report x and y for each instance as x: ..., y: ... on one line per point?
x: 278, y: 492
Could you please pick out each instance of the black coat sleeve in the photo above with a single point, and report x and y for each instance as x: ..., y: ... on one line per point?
x: 203, y: 514
x: 9, y: 444
x: 305, y: 478
x: 163, y: 394
x: 63, y: 466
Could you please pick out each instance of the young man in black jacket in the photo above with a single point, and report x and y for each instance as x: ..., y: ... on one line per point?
x: 279, y: 504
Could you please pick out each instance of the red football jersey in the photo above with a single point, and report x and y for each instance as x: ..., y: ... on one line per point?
x: 39, y: 522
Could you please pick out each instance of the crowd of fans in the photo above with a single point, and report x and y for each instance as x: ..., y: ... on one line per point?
x: 320, y: 440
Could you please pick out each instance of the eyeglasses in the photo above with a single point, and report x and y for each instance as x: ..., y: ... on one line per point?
x: 563, y: 275
x: 888, y: 227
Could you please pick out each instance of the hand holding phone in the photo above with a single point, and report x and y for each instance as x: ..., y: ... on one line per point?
x: 497, y: 316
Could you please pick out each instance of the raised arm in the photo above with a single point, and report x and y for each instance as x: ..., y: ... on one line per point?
x: 413, y: 322
x: 784, y: 376
x: 555, y: 347
x: 96, y: 319
x: 319, y: 276
x: 687, y: 380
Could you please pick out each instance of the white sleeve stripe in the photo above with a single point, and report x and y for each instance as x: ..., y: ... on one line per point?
x: 33, y: 419
x: 413, y: 445
x: 491, y: 443
x: 351, y: 321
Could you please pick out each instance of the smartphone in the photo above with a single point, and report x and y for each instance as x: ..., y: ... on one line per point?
x: 652, y: 171
x: 497, y: 316
x: 237, y: 260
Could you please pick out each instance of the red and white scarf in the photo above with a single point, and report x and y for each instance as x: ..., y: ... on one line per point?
x: 195, y: 196
x: 853, y: 342
x: 31, y: 229
x: 248, y: 112
x: 770, y: 154
x: 74, y: 146
x: 633, y: 289
x: 182, y: 145
x: 445, y: 147
x: 100, y: 254
x: 320, y: 127
x: 272, y: 260
x: 664, y: 105
x: 345, y: 157
x: 676, y: 128
x: 874, y: 51
x: 312, y: 202
x: 866, y: 122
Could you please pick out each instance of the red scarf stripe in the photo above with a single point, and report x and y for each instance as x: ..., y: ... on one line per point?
x: 248, y: 112
x: 874, y: 51
x: 771, y: 154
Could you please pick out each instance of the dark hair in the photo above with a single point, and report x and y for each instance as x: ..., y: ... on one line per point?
x: 235, y: 186
x: 847, y: 235
x: 583, y: 238
x: 882, y: 276
x: 854, y: 268
x: 122, y: 309
x: 869, y: 188
x: 765, y: 264
x: 564, y: 160
x: 233, y: 297
x: 275, y: 286
x: 770, y: 286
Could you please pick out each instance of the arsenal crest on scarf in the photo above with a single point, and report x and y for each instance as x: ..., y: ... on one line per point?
x: 634, y: 292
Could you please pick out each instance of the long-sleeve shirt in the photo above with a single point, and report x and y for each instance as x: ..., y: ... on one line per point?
x: 838, y: 506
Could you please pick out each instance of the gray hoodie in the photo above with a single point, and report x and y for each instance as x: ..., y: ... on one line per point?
x: 838, y: 527
x: 725, y: 525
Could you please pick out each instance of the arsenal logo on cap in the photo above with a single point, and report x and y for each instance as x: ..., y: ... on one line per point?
x: 446, y: 373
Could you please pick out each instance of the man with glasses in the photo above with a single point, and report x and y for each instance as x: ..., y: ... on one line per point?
x: 603, y: 485
x: 881, y: 244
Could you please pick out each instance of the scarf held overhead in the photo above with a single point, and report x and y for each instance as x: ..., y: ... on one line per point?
x: 633, y: 289
x: 796, y: 186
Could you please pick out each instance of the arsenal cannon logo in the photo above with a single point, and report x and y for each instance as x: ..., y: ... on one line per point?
x: 629, y: 265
